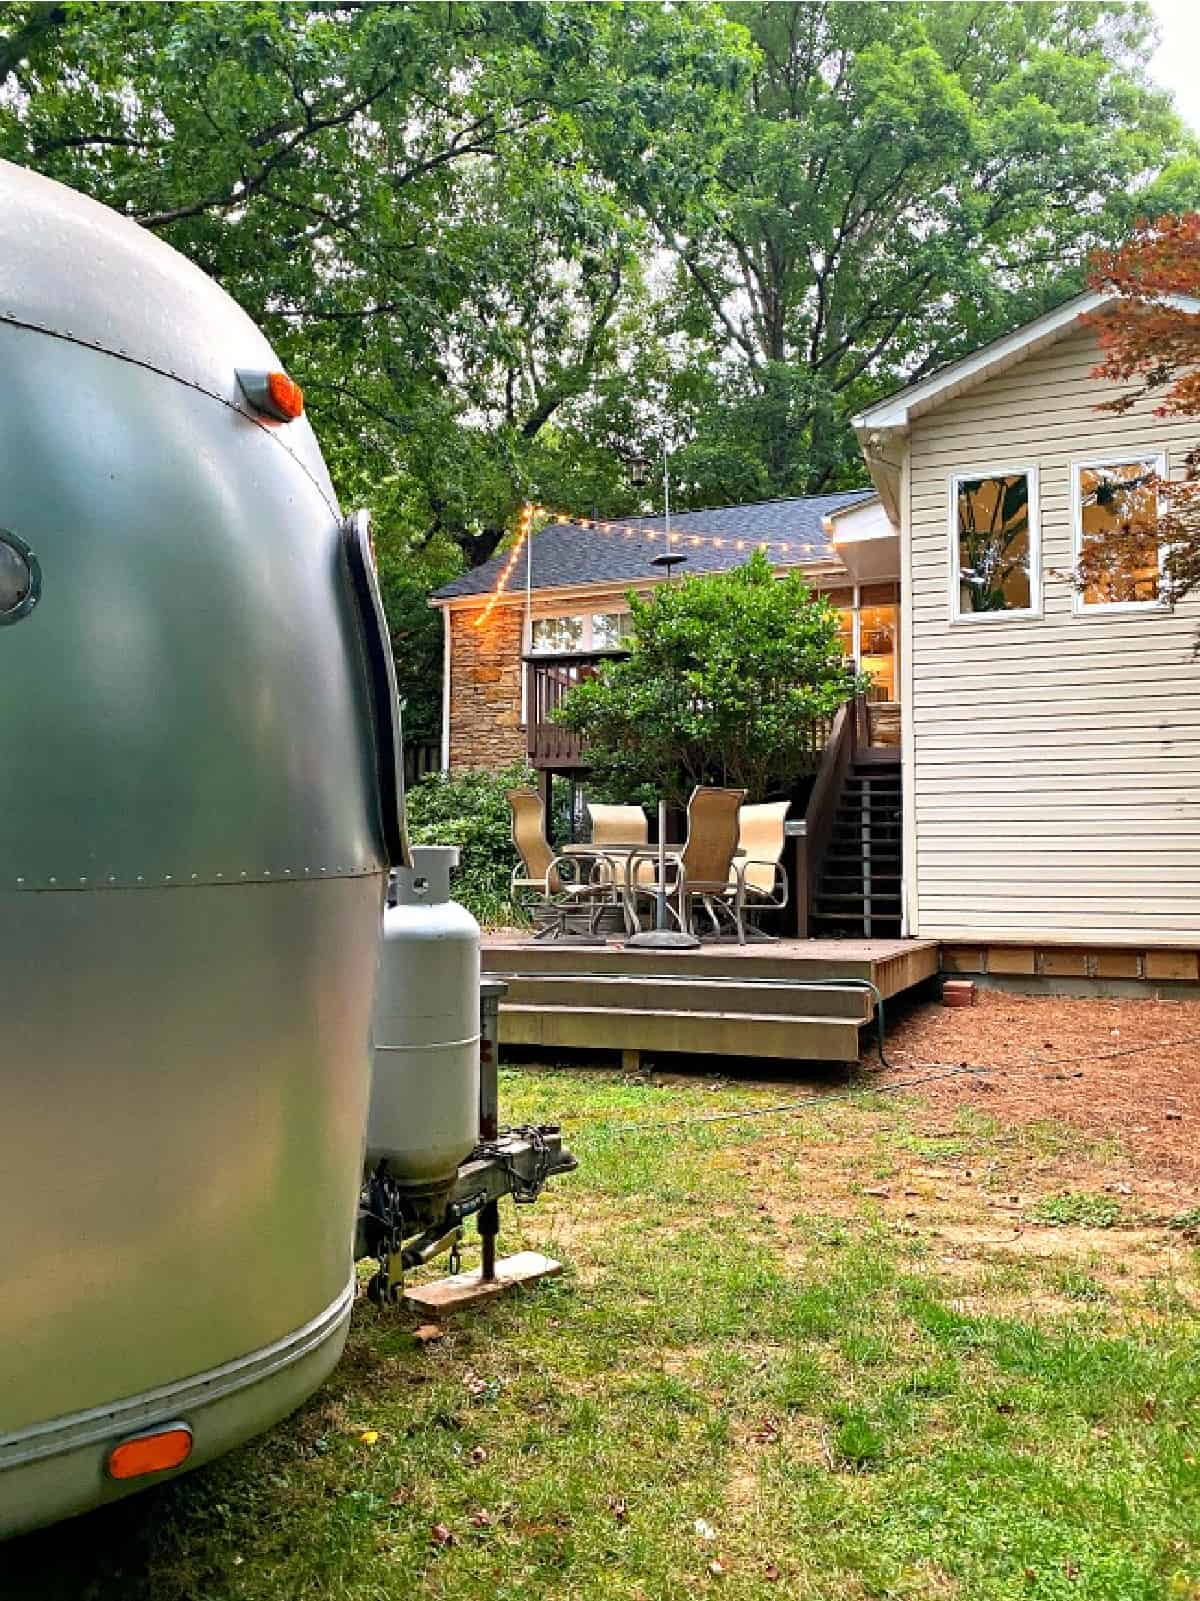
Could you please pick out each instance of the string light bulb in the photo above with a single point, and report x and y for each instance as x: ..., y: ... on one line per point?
x: 524, y: 524
x: 529, y: 510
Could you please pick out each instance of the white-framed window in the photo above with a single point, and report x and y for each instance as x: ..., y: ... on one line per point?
x: 579, y: 631
x: 556, y: 635
x: 1114, y: 505
x: 995, y: 545
x: 611, y: 629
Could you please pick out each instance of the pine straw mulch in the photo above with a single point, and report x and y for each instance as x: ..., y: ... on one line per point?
x: 1074, y: 1061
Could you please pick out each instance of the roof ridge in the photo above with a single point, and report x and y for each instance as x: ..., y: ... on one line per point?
x: 736, y: 505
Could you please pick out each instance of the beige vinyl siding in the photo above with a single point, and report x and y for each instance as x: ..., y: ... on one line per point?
x: 1053, y: 762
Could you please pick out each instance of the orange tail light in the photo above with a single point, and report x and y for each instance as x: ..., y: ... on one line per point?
x: 287, y: 395
x: 153, y: 1452
x: 272, y: 394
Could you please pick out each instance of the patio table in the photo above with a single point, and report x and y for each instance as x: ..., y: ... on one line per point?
x: 618, y: 853
x: 624, y: 857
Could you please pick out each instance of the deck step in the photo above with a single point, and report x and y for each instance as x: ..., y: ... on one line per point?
x: 634, y: 993
x: 766, y: 1034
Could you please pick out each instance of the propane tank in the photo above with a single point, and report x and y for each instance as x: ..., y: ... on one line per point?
x: 424, y: 1117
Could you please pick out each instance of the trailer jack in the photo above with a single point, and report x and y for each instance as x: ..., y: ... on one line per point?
x: 517, y: 1163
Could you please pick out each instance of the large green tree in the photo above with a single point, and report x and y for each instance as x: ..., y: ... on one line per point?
x: 407, y: 196
x: 905, y: 181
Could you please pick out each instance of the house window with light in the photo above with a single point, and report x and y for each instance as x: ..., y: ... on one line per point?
x: 1115, y: 507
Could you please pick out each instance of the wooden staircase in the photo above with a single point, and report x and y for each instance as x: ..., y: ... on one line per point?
x: 858, y: 878
x: 850, y: 851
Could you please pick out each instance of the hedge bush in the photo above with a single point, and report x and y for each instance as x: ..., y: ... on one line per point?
x: 470, y: 810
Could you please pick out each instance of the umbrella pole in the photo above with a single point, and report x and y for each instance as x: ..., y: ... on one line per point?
x: 660, y: 908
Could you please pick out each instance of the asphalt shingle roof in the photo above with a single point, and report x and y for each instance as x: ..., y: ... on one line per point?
x: 565, y: 554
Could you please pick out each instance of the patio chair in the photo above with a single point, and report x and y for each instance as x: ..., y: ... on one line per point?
x: 540, y: 871
x: 617, y: 825
x: 758, y: 877
x: 621, y: 825
x: 701, y: 869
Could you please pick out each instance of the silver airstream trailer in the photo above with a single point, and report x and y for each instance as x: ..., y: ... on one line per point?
x: 199, y: 806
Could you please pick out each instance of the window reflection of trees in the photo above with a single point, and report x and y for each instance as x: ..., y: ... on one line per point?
x: 1118, y: 513
x: 994, y: 544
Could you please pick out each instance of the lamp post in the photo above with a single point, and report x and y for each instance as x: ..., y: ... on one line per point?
x: 660, y: 937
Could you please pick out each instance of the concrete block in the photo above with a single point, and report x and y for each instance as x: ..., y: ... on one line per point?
x: 958, y: 992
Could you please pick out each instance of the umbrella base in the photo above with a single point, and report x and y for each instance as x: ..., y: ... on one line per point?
x: 662, y: 939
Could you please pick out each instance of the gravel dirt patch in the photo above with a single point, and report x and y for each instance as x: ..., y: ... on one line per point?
x: 1127, y: 1070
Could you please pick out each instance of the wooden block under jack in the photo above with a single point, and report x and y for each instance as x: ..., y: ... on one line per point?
x: 463, y: 1289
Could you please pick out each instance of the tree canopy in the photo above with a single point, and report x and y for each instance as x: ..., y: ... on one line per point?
x: 510, y: 249
x: 903, y: 182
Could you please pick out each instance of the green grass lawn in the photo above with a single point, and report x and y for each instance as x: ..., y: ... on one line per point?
x: 871, y: 1350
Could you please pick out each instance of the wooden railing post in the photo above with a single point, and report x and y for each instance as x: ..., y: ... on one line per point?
x: 531, y: 716
x: 800, y: 881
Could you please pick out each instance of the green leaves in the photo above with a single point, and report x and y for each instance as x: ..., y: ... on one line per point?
x: 904, y: 182
x: 727, y: 677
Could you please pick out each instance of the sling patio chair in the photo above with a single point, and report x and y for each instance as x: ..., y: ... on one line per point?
x: 566, y: 887
x: 758, y: 880
x: 701, y: 869
x: 619, y: 827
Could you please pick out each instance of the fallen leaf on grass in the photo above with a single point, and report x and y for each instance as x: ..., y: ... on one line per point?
x: 771, y: 1572
x: 481, y: 1519
x: 476, y: 1455
x: 428, y: 1332
x: 441, y: 1535
x: 401, y: 1495
x: 880, y: 1190
x: 619, y: 1508
x: 717, y: 1568
x: 766, y: 1433
x: 705, y: 1530
x: 477, y: 1387
x: 369, y: 1436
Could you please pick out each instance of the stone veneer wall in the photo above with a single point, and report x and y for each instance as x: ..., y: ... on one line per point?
x: 485, y: 689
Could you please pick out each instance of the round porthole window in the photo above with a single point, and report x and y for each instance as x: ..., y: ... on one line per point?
x: 20, y: 578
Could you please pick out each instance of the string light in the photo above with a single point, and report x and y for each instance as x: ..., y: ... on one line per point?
x: 524, y: 522
x: 787, y: 547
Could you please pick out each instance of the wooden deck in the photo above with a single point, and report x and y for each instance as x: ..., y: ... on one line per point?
x: 787, y: 1000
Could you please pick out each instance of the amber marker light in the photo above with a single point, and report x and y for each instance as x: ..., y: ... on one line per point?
x: 287, y: 395
x: 272, y: 394
x: 153, y: 1452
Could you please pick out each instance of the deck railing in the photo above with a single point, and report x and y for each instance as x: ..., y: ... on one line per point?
x: 548, y: 680
x: 849, y: 734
